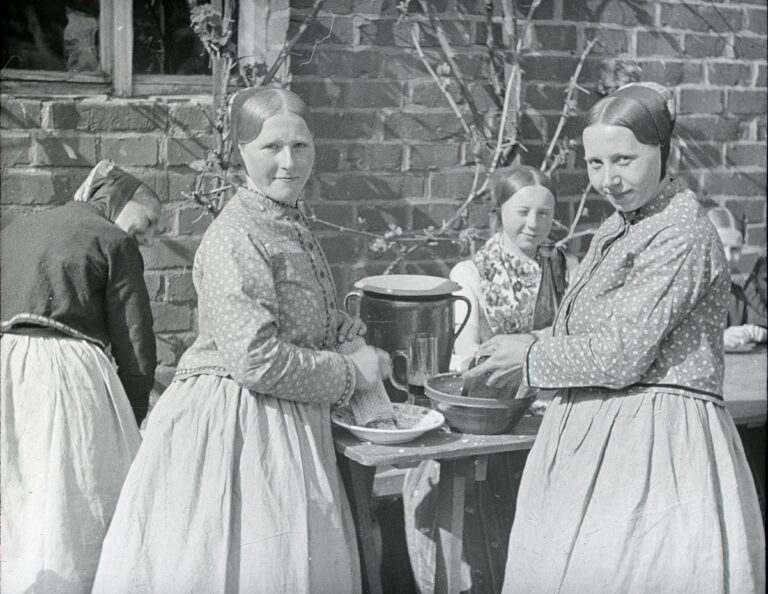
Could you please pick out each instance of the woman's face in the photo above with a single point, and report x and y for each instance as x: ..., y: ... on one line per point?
x: 527, y: 217
x: 279, y: 160
x: 624, y: 170
x: 140, y: 217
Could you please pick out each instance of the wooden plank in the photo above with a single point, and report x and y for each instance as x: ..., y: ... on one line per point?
x: 744, y: 386
x: 61, y: 76
x: 450, y: 523
x: 106, y: 35
x: 122, y: 47
x: 437, y: 445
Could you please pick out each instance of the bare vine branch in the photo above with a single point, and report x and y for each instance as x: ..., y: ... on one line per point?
x: 436, y: 78
x: 286, y: 50
x: 568, y: 104
x: 448, y: 53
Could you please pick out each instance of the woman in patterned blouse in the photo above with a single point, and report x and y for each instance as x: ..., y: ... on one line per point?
x: 501, y: 282
x: 637, y: 481
x: 235, y: 487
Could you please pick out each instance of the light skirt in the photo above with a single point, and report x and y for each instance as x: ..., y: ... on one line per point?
x: 231, y: 492
x: 67, y: 440
x: 648, y: 493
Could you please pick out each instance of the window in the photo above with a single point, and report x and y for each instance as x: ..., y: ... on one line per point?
x: 163, y: 40
x: 82, y: 46
x: 43, y: 35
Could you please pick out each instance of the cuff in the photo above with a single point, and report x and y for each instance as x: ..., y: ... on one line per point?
x: 349, y: 383
x: 527, y: 366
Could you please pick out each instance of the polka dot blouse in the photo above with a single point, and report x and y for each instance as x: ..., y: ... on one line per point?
x: 267, y: 305
x: 647, y: 307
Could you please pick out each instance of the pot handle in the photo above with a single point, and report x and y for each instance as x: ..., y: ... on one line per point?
x: 349, y: 296
x: 466, y: 318
x: 392, y: 378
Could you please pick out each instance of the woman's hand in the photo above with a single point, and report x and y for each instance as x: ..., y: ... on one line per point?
x: 507, y: 353
x: 371, y: 364
x: 350, y: 328
x: 737, y: 335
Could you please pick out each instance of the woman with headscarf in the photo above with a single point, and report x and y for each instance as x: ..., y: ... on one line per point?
x: 235, y: 487
x: 72, y: 287
x: 637, y: 481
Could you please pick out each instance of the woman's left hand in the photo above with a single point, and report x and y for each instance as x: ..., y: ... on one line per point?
x: 507, y: 353
x: 350, y: 328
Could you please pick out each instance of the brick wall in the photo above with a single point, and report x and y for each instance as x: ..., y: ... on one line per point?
x: 389, y: 148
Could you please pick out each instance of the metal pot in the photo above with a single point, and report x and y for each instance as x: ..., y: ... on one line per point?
x: 397, y: 306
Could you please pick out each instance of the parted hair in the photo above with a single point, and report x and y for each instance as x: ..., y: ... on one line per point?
x: 507, y: 181
x: 250, y: 108
x: 647, y: 109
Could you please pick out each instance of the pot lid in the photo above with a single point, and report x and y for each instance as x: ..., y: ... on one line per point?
x: 407, y: 285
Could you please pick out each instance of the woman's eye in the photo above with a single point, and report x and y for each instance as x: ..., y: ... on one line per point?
x: 593, y: 164
x: 623, y: 160
x: 300, y: 145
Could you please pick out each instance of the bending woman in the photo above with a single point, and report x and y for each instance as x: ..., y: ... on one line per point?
x: 72, y: 287
x: 235, y: 487
x: 637, y: 481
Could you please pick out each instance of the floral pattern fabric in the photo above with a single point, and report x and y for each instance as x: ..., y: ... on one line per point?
x: 509, y: 285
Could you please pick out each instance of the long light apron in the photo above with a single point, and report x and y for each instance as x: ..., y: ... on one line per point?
x: 68, y: 438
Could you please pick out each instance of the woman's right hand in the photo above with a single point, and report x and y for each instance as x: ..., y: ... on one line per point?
x: 371, y: 364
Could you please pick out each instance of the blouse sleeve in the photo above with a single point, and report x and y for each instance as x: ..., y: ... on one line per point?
x: 668, y: 279
x: 238, y: 287
x: 466, y: 343
x: 129, y: 323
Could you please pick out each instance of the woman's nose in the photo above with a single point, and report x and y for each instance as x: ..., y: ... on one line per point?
x: 286, y: 158
x: 610, y: 178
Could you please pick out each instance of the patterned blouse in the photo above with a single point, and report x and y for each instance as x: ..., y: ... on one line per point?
x: 647, y: 309
x: 267, y: 305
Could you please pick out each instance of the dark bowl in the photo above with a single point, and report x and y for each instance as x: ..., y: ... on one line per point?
x: 481, y: 416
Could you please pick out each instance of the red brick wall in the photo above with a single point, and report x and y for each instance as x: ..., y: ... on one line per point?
x: 389, y: 148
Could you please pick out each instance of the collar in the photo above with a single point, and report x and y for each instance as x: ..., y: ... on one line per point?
x: 667, y: 190
x: 255, y: 201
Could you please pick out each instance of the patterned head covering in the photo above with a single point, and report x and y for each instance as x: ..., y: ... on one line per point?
x: 107, y: 189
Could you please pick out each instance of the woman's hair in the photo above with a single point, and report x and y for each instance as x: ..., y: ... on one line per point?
x: 647, y: 109
x: 507, y: 181
x: 250, y: 108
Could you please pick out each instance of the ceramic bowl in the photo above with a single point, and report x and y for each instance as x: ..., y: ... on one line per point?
x: 417, y: 420
x: 480, y: 416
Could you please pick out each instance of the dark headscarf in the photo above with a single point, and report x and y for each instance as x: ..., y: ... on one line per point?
x: 108, y: 189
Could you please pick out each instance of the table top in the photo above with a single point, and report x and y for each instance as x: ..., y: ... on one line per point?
x: 437, y: 445
x: 745, y: 393
x: 744, y: 388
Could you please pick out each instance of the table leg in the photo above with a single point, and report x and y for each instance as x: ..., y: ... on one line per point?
x: 450, y: 523
x: 358, y: 482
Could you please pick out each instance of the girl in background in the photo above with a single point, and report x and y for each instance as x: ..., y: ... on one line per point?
x: 501, y: 282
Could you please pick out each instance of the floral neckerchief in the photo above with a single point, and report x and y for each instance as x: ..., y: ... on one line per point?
x: 509, y: 285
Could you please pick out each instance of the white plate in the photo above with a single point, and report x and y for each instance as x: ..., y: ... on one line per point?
x: 425, y: 420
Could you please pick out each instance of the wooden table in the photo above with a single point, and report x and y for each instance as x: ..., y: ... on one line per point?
x: 744, y: 388
x: 462, y: 458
